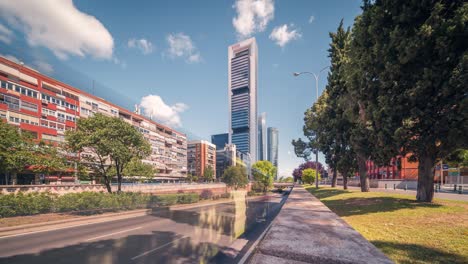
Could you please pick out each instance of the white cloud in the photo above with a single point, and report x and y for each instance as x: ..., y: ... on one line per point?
x: 282, y: 35
x: 42, y: 66
x: 121, y: 63
x: 311, y: 19
x: 252, y: 16
x: 144, y: 45
x: 5, y: 34
x: 10, y: 57
x: 59, y: 26
x: 182, y: 46
x: 154, y: 107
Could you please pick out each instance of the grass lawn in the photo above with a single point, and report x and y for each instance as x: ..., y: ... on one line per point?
x: 405, y: 230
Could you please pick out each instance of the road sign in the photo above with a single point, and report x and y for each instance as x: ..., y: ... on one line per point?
x: 453, y: 172
x: 445, y: 167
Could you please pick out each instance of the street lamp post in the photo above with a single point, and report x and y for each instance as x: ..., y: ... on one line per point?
x: 316, y: 76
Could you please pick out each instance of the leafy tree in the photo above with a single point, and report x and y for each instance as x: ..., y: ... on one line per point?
x: 108, y: 142
x: 408, y: 73
x: 263, y: 173
x: 137, y: 168
x: 208, y: 174
x: 458, y: 158
x: 302, y: 149
x: 286, y: 179
x: 235, y: 176
x: 19, y: 152
x: 297, y: 173
x: 308, y: 176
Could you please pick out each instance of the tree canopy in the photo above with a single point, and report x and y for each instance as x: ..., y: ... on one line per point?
x: 263, y: 173
x: 235, y: 176
x: 107, y: 143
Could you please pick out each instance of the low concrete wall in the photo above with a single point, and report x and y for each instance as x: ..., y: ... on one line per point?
x: 373, y: 183
x: 398, y: 184
x: 57, y: 189
x: 202, y: 189
x: 306, y: 231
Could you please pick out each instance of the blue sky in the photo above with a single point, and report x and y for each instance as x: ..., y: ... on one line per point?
x: 177, y: 51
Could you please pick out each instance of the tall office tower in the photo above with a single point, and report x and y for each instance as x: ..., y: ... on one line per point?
x: 262, y: 137
x: 273, y: 147
x: 242, y: 93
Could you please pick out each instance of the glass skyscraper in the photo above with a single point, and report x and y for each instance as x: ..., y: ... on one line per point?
x: 242, y: 93
x: 262, y: 137
x: 220, y: 140
x: 273, y: 135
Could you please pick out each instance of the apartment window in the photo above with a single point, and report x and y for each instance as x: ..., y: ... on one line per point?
x: 14, y: 119
x: 12, y: 102
x: 4, y: 85
x: 29, y: 106
x: 60, y: 117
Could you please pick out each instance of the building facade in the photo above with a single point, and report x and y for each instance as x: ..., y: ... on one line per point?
x: 47, y: 108
x: 220, y: 140
x: 262, y: 137
x: 273, y: 136
x: 242, y: 94
x: 224, y: 158
x: 201, y: 154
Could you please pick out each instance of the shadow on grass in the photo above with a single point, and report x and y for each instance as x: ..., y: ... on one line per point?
x: 362, y: 206
x: 322, y: 193
x: 413, y: 253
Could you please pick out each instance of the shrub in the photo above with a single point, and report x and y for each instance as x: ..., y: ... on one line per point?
x: 187, y: 198
x: 166, y: 199
x: 37, y: 203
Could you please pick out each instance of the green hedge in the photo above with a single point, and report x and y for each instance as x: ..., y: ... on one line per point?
x: 87, y: 202
x: 171, y: 199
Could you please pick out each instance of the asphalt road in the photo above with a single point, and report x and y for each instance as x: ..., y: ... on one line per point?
x: 219, y: 233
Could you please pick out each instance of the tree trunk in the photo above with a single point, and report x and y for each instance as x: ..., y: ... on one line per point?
x: 333, y: 182
x: 425, y: 191
x: 363, y: 173
x: 345, y: 181
x: 14, y: 178
x: 119, y: 183
x: 107, y: 184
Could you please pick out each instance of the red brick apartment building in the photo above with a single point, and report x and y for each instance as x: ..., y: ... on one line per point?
x: 201, y: 154
x: 46, y: 107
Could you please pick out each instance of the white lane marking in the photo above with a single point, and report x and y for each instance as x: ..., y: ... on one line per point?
x: 154, y: 249
x: 115, y: 233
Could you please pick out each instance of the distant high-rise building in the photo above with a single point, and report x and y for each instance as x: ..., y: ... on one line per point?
x: 220, y: 140
x: 273, y: 146
x: 200, y: 155
x: 242, y: 93
x: 262, y: 137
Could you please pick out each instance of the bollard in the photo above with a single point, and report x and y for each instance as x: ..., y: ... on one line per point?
x: 454, y: 188
x: 460, y: 189
x: 406, y: 187
x: 435, y: 188
x: 385, y: 186
x: 394, y: 186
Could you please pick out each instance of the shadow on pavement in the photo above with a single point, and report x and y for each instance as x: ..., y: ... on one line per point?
x: 412, y: 252
x: 183, y: 250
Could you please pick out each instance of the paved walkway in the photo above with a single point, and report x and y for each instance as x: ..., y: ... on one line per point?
x: 440, y: 195
x: 306, y: 231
